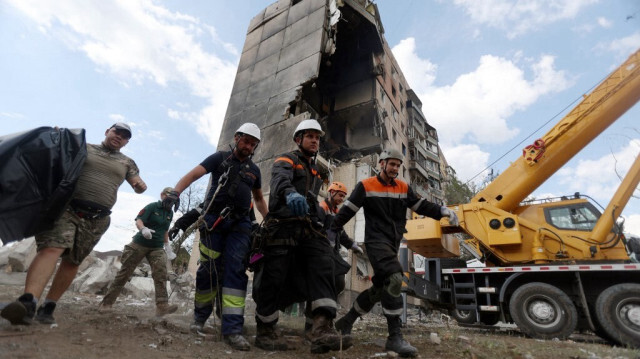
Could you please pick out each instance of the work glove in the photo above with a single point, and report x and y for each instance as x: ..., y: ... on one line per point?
x: 170, y: 254
x: 172, y: 199
x: 173, y: 232
x: 297, y: 204
x: 356, y: 248
x: 146, y: 232
x: 453, y: 217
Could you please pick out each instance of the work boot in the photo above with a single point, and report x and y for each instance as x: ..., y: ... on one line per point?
x: 21, y: 311
x: 237, y: 342
x: 45, y: 313
x: 196, y: 326
x: 345, y: 324
x: 165, y: 308
x: 396, y: 343
x: 323, y: 337
x: 307, y: 331
x: 268, y: 338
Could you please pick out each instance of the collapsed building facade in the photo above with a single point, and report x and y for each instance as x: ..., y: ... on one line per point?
x: 328, y: 60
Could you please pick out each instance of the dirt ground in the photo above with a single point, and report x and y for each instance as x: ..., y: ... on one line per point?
x: 133, y: 332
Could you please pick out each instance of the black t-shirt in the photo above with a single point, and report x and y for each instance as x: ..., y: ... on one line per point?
x: 245, y: 174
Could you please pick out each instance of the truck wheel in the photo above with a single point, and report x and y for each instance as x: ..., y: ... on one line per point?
x: 618, y: 313
x: 543, y: 311
x: 463, y: 316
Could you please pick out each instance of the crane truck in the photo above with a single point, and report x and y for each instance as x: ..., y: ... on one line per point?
x: 551, y: 266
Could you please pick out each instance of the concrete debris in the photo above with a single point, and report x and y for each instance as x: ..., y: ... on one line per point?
x: 95, y: 278
x: 95, y: 274
x: 21, y: 255
x: 434, y: 338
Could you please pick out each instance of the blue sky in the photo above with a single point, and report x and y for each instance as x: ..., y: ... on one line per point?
x: 488, y: 72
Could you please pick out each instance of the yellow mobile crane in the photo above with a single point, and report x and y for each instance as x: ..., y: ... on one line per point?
x: 551, y: 266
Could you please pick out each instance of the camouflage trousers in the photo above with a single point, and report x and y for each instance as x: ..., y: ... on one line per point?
x: 132, y: 255
x: 77, y: 235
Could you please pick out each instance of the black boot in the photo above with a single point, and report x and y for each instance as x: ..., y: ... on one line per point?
x: 45, y: 313
x: 395, y: 341
x: 21, y: 311
x: 268, y: 338
x: 345, y: 324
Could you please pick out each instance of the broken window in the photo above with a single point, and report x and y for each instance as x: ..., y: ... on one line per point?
x: 404, y: 150
x: 393, y: 131
x: 393, y: 91
x: 382, y: 96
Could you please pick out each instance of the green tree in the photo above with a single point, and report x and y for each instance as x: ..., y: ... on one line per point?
x: 457, y: 192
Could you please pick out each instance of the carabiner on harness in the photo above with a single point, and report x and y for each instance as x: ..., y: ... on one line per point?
x: 223, y: 214
x: 222, y: 181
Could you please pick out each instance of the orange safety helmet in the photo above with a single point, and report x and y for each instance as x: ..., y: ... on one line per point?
x: 337, y: 186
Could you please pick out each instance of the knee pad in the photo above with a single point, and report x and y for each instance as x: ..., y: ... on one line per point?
x: 375, y: 294
x: 393, y: 284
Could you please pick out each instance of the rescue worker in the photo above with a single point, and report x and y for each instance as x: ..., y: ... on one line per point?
x: 337, y: 192
x: 225, y: 233
x: 385, y: 200
x: 298, y: 264
x: 152, y: 222
x: 80, y: 227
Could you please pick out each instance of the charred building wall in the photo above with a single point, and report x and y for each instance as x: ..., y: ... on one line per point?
x: 327, y: 60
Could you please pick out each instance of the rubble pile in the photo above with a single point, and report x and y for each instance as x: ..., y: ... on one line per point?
x: 97, y: 271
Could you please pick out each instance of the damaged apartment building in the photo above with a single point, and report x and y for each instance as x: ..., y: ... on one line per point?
x: 329, y: 60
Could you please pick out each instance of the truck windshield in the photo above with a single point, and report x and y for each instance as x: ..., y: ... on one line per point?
x: 573, y: 218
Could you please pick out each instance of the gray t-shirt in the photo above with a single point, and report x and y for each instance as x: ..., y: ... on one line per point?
x: 102, y: 174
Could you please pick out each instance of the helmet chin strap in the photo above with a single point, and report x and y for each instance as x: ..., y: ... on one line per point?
x: 305, y: 152
x: 384, y: 169
x: 235, y: 145
x: 332, y: 195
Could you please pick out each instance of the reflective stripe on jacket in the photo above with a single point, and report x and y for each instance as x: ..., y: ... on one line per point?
x: 385, y: 208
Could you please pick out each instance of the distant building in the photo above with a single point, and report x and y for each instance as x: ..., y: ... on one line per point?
x: 329, y: 60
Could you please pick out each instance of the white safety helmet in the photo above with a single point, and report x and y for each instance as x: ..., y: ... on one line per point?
x: 391, y: 153
x: 250, y: 129
x: 308, y: 125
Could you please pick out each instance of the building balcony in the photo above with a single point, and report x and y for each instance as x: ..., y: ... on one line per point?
x: 415, y: 143
x: 421, y: 190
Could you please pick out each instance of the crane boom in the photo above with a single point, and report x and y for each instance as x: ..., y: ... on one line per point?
x: 599, y: 109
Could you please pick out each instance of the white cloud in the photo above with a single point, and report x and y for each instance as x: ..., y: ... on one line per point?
x: 420, y: 73
x: 623, y: 47
x: 632, y: 224
x: 139, y: 41
x: 604, y: 22
x: 600, y: 178
x: 477, y: 106
x: 467, y: 160
x: 519, y: 17
x: 12, y: 115
x: 478, y: 103
x: 116, y: 117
